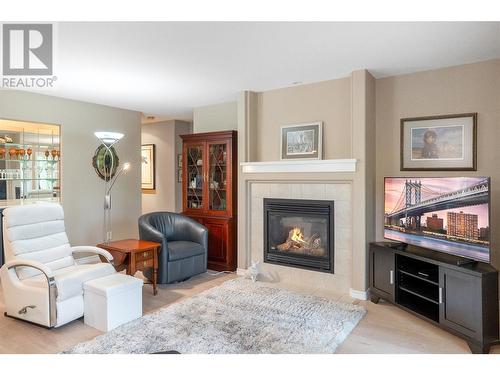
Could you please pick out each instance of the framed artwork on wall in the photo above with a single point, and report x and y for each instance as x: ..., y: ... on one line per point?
x: 439, y: 143
x: 302, y: 141
x: 148, y: 167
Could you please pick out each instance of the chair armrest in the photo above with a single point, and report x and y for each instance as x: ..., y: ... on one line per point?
x: 94, y: 250
x: 51, y: 283
x: 149, y: 233
x: 196, y: 232
x: 30, y: 263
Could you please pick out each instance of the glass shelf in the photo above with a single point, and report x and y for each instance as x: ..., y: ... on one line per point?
x: 29, y: 179
x: 27, y: 145
x: 31, y: 160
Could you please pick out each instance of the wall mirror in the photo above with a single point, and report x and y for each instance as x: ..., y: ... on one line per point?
x: 101, y: 161
x: 30, y: 158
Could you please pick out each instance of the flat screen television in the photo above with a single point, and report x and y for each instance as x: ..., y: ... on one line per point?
x: 447, y: 214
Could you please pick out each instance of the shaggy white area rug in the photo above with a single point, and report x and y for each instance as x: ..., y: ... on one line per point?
x: 238, y: 316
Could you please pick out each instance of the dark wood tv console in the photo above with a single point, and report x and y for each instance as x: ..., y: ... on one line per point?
x: 460, y: 299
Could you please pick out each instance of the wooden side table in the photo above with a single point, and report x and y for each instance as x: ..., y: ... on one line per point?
x: 134, y: 255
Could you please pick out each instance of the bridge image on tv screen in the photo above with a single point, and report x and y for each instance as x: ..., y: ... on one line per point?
x: 445, y: 214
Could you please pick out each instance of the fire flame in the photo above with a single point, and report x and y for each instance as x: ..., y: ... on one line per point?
x: 297, y: 235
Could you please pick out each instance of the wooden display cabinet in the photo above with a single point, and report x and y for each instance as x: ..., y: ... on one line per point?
x: 209, y: 171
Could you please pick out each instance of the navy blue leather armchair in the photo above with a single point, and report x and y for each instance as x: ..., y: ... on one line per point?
x: 184, y: 244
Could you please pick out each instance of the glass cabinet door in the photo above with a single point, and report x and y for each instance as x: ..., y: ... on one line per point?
x: 194, y: 176
x: 217, y: 176
x: 41, y: 167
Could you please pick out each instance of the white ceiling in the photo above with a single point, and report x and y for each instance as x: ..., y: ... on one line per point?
x: 168, y: 68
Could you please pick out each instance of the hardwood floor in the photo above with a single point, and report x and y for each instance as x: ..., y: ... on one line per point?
x: 21, y: 337
x: 385, y: 328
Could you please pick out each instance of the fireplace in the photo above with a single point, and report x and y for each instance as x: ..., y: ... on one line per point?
x: 299, y: 233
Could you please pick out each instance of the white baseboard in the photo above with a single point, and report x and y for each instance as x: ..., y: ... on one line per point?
x: 359, y: 294
x: 241, y: 271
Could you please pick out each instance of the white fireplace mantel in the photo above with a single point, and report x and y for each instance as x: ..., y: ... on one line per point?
x: 287, y: 166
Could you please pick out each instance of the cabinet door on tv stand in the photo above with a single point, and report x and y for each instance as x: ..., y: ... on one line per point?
x: 460, y: 302
x: 382, y: 273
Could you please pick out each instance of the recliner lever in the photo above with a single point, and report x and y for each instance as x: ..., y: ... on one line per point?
x: 24, y: 310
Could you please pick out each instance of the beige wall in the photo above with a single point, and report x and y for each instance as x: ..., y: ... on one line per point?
x: 347, y: 108
x: 82, y: 189
x: 165, y: 136
x: 361, y: 120
x: 363, y: 150
x: 161, y: 134
x: 461, y: 89
x: 327, y: 101
x: 216, y: 117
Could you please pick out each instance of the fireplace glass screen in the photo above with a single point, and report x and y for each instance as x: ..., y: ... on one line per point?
x: 299, y: 233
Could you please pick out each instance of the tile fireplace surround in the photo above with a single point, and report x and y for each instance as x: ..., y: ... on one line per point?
x: 338, y: 191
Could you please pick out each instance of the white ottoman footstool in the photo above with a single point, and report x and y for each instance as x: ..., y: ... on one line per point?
x: 112, y: 300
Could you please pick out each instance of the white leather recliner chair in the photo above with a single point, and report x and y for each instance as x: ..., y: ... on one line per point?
x: 42, y: 281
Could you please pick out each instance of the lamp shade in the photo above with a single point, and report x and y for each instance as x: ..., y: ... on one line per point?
x: 108, y: 138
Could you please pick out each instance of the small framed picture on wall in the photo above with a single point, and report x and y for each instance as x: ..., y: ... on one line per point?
x: 439, y: 143
x: 148, y: 167
x: 302, y: 141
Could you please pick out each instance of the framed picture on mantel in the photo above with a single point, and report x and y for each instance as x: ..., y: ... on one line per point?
x: 439, y: 143
x: 302, y: 141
